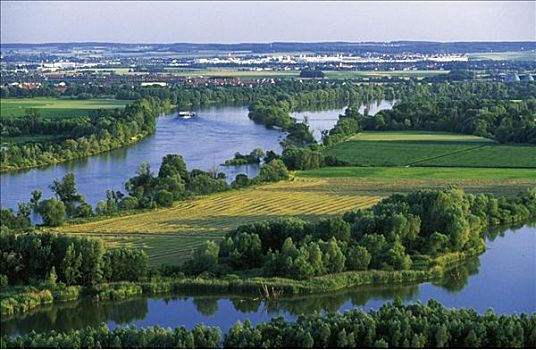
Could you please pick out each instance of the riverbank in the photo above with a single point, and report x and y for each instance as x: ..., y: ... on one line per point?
x: 22, y: 299
x: 108, y: 132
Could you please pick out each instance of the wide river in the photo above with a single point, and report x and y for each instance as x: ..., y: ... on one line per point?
x: 503, y: 278
x: 205, y: 142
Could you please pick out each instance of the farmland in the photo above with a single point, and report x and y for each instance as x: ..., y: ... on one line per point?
x: 503, y: 56
x: 431, y: 149
x: 385, y: 180
x: 55, y: 107
x: 169, y: 235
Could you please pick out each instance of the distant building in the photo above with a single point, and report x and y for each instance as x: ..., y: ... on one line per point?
x: 154, y: 83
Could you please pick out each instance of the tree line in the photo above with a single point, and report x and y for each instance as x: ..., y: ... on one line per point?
x: 33, y: 258
x: 504, y: 112
x: 401, y: 232
x: 102, y: 131
x: 391, y: 326
x: 145, y: 190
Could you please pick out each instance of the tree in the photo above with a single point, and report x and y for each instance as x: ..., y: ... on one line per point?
x: 173, y: 165
x: 333, y: 227
x: 273, y: 171
x: 357, y: 258
x: 241, y: 180
x: 70, y: 265
x: 205, y: 258
x: 66, y: 192
x: 164, y: 198
x: 333, y: 258
x: 52, y: 211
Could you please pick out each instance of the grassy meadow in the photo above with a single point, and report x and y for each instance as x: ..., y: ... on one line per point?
x: 503, y: 56
x: 170, y: 235
x: 56, y: 107
x: 436, y: 149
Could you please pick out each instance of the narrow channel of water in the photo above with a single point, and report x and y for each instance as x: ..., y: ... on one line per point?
x: 503, y: 278
x: 326, y: 119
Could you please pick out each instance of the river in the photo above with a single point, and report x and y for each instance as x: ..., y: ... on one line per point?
x: 204, y: 141
x: 503, y: 278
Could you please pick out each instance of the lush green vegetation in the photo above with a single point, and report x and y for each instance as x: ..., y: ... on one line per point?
x: 424, y: 148
x: 485, y: 110
x: 254, y: 157
x: 99, y: 132
x: 385, y: 174
x: 52, y: 258
x: 401, y: 232
x: 56, y: 107
x: 392, y: 326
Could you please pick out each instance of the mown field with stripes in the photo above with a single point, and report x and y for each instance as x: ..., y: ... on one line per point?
x: 170, y: 235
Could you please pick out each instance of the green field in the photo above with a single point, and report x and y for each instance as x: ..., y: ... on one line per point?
x: 55, y: 107
x: 503, y: 56
x: 451, y: 174
x: 379, y: 74
x: 431, y: 149
x: 170, y: 235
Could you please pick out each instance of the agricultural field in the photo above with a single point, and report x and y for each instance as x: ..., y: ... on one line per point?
x: 170, y: 235
x: 431, y: 149
x: 56, y: 107
x: 503, y: 56
x: 379, y: 74
x: 233, y: 73
x: 384, y: 180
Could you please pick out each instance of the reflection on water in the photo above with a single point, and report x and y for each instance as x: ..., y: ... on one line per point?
x: 205, y: 142
x: 320, y: 120
x: 503, y: 278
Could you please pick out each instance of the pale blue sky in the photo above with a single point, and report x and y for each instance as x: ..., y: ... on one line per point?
x: 232, y: 22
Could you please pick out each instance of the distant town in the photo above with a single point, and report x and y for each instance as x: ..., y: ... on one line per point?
x: 29, y: 66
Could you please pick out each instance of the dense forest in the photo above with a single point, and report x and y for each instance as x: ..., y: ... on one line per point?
x: 401, y: 232
x: 391, y: 326
x: 55, y: 258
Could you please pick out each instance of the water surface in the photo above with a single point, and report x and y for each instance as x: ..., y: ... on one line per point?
x: 205, y: 142
x: 503, y: 279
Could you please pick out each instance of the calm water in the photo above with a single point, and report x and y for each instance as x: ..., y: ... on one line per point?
x: 326, y: 119
x: 204, y: 141
x: 503, y: 278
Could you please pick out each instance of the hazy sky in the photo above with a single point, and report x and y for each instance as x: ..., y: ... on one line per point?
x: 228, y: 22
